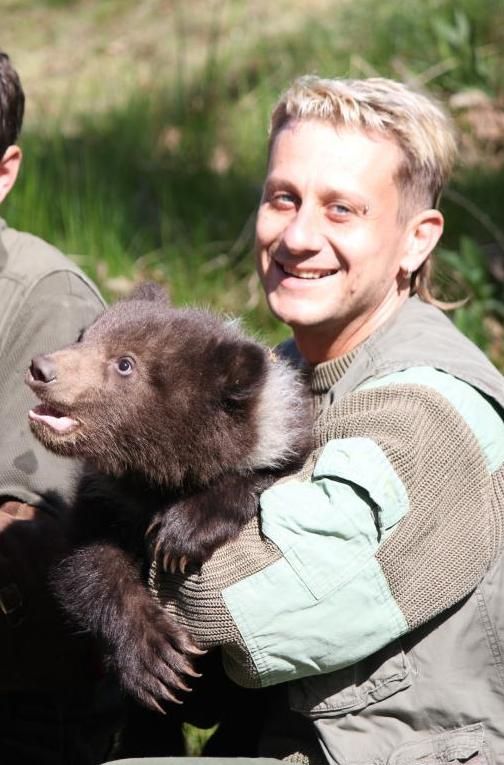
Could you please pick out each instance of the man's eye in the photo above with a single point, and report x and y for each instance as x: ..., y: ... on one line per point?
x: 125, y: 365
x: 282, y: 200
x: 339, y: 211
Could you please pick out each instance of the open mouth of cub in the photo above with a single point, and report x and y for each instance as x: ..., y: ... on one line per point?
x: 50, y: 417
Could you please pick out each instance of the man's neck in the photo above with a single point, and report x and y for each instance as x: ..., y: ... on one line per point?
x: 319, y: 345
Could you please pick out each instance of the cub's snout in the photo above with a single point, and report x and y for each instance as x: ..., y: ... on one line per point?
x: 50, y: 421
x: 42, y: 369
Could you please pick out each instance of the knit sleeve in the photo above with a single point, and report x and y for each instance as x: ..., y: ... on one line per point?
x: 395, y: 517
x: 51, y: 316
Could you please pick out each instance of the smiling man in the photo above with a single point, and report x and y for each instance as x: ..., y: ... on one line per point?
x: 371, y: 602
x: 334, y: 252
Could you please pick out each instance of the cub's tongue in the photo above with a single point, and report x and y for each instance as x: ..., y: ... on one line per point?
x: 50, y: 417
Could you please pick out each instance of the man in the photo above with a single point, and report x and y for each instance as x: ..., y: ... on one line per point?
x: 373, y: 602
x: 53, y: 697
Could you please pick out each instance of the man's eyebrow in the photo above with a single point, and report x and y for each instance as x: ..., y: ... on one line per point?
x: 273, y: 183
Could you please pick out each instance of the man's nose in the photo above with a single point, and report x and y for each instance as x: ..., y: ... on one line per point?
x: 303, y: 234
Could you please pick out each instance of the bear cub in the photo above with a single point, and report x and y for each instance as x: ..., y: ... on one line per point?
x: 182, y: 421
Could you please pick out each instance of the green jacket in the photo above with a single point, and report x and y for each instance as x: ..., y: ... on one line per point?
x: 375, y: 597
x: 45, y: 301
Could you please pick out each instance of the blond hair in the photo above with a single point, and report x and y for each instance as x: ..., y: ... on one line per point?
x: 418, y: 124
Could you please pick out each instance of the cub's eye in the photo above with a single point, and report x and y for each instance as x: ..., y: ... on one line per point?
x: 125, y: 365
x: 80, y: 336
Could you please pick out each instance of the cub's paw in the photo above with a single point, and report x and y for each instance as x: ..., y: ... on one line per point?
x: 191, y: 530
x: 179, y: 543
x: 154, y: 656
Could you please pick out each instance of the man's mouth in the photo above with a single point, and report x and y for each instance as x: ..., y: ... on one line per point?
x: 306, y: 273
x: 52, y: 418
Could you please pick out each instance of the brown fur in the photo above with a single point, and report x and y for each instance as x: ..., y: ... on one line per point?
x: 177, y: 418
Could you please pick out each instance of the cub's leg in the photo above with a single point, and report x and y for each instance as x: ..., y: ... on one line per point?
x: 100, y: 586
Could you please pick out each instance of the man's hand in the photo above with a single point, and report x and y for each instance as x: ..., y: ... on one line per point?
x: 37, y: 648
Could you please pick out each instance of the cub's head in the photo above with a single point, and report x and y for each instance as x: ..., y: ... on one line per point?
x: 178, y: 395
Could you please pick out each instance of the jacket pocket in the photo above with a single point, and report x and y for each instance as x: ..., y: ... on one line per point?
x: 466, y: 745
x: 356, y: 687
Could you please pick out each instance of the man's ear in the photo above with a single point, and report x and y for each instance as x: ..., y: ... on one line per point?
x: 424, y: 232
x: 9, y: 168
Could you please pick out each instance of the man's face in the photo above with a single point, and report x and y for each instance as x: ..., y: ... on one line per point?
x: 328, y: 237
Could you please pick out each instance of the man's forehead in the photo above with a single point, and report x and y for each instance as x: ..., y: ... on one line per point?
x: 328, y: 155
x: 308, y: 133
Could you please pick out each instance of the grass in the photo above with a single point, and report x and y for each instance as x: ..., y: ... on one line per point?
x: 160, y: 178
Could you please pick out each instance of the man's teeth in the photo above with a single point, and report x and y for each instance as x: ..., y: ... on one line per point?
x: 312, y: 273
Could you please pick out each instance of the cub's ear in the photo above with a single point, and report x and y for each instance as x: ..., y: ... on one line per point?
x: 241, y: 370
x: 149, y: 291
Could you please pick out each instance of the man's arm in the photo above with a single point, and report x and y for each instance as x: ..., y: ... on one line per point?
x: 397, y: 521
x: 53, y: 315
x: 34, y: 489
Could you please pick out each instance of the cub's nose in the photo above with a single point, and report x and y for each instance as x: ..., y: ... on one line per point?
x: 43, y: 369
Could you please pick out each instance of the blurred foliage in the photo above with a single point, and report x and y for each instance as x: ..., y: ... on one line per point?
x: 481, y: 315
x: 164, y: 184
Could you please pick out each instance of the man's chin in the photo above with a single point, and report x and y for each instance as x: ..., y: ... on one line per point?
x: 300, y: 314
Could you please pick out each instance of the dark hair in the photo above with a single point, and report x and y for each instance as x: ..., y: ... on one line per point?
x: 11, y: 104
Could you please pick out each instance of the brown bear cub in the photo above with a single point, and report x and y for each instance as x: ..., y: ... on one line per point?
x: 182, y: 421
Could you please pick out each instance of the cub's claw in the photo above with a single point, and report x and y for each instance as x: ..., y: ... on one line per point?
x: 153, y: 525
x: 175, y: 565
x: 154, y: 657
x: 176, y: 543
x: 169, y: 562
x: 195, y: 651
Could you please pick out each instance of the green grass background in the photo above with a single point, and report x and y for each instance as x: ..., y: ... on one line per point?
x: 144, y: 159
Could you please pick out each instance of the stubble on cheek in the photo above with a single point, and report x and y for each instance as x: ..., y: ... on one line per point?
x: 266, y: 268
